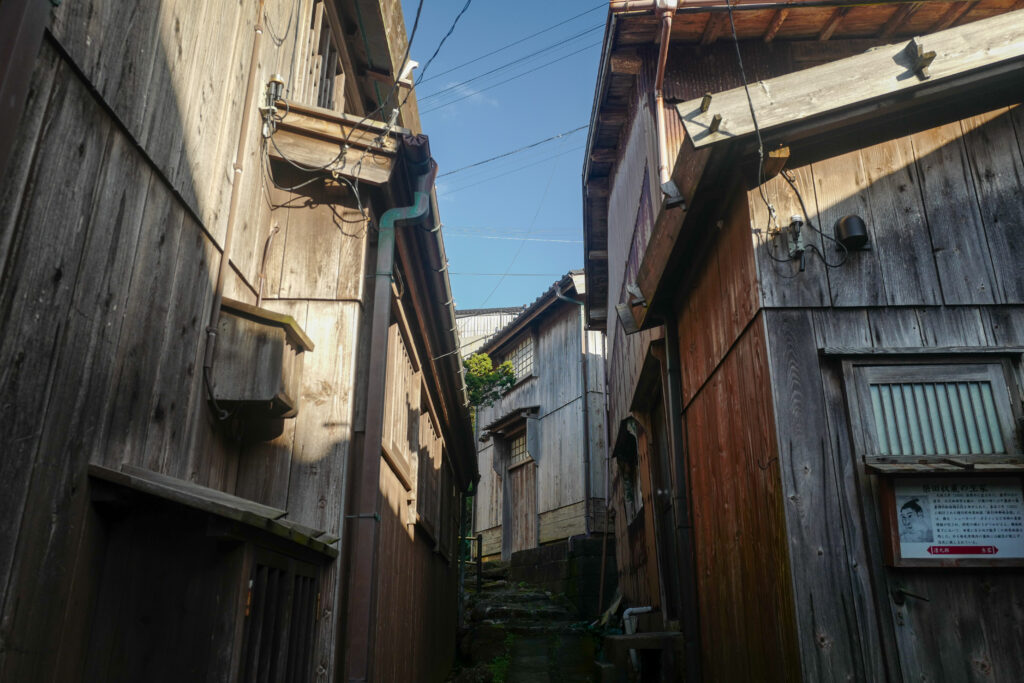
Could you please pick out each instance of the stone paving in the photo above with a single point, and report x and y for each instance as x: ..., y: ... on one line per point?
x: 517, y: 634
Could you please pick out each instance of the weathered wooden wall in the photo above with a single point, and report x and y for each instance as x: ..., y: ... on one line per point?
x: 115, y: 206
x: 944, y: 271
x: 416, y: 618
x: 943, y: 220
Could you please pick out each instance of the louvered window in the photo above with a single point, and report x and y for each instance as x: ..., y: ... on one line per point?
x: 280, y: 620
x: 914, y: 411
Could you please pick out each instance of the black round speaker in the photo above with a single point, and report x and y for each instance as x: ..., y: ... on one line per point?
x: 852, y: 232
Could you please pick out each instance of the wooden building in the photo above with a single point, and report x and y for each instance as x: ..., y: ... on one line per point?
x: 541, y: 447
x: 476, y: 325
x: 817, y: 456
x: 236, y: 435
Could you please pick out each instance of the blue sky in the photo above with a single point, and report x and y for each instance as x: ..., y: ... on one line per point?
x: 488, y: 210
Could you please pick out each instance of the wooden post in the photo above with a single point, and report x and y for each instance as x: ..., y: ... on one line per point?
x: 479, y: 562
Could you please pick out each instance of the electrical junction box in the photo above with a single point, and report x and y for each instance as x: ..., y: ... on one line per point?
x: 257, y: 367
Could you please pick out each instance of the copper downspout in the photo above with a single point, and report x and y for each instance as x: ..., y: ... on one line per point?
x: 236, y: 189
x: 364, y: 516
x: 666, y: 11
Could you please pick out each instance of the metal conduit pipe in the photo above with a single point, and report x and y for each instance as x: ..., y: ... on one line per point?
x: 365, y: 511
x: 236, y: 187
x: 587, y: 524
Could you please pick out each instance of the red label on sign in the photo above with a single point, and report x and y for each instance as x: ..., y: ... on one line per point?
x: 962, y: 550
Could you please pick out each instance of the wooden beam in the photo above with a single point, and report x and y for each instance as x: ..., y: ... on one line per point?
x: 774, y: 163
x: 897, y: 19
x: 604, y: 155
x: 833, y: 23
x: 597, y: 255
x: 371, y: 167
x: 713, y: 29
x: 773, y: 28
x: 612, y: 118
x: 865, y: 85
x: 626, y: 62
x: 952, y: 15
x: 597, y: 187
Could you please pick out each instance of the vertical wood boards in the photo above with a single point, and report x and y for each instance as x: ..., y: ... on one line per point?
x: 264, y: 467
x: 828, y: 599
x: 998, y: 171
x: 958, y: 235
x: 779, y: 278
x: 523, y: 490
x: 720, y: 303
x: 416, y: 599
x: 940, y: 210
x: 36, y: 295
x: 739, y: 528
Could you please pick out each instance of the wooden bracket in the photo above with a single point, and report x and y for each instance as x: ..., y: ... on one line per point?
x: 920, y: 60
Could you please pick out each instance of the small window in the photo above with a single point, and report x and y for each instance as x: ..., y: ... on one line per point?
x: 522, y: 359
x: 518, y: 455
x: 935, y: 411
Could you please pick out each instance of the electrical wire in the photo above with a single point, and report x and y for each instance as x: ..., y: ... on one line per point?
x: 516, y: 151
x: 516, y: 42
x: 520, y: 60
x: 812, y: 226
x: 451, y: 29
x: 510, y: 275
x: 533, y: 222
x: 445, y: 193
x: 508, y: 80
x: 499, y: 237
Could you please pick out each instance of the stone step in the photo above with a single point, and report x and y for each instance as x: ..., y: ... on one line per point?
x: 503, y: 612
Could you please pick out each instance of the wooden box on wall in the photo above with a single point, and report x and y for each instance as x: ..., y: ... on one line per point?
x: 258, y: 365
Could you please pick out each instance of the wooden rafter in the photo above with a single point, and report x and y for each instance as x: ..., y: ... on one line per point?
x: 903, y: 13
x: 713, y: 29
x: 773, y: 28
x: 955, y: 12
x: 833, y: 23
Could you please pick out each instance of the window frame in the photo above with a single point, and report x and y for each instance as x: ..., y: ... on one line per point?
x: 526, y: 340
x: 892, y: 470
x: 858, y: 374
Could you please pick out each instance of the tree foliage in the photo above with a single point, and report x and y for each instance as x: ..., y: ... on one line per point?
x: 486, y: 383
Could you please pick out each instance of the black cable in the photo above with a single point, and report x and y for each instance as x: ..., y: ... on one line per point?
x: 451, y: 29
x: 516, y: 42
x: 812, y: 226
x: 506, y: 65
x: 516, y: 151
x: 507, y: 80
x: 509, y: 172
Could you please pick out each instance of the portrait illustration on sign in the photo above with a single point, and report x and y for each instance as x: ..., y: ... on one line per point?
x: 915, y: 519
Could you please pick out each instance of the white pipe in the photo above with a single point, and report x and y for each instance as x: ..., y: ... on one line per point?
x: 629, y: 620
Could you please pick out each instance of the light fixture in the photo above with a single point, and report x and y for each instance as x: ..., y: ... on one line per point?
x: 852, y: 233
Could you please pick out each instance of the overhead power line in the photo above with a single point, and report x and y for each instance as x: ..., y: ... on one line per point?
x: 511, y: 239
x: 519, y: 60
x: 509, y: 172
x: 512, y: 78
x: 516, y: 42
x: 516, y: 151
x: 511, y: 275
x: 451, y: 29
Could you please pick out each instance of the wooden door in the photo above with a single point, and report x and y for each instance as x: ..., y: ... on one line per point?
x: 523, y: 510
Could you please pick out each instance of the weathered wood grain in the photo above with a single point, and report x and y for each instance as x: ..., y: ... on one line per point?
x: 17, y: 174
x: 901, y: 237
x: 826, y: 619
x: 998, y: 172
x: 894, y: 327
x: 37, y: 290
x: 264, y: 467
x: 782, y: 283
x: 954, y: 222
x: 841, y: 189
x: 960, y: 327
x: 82, y: 364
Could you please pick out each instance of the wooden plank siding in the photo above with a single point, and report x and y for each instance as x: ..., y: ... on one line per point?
x: 940, y: 214
x: 115, y: 208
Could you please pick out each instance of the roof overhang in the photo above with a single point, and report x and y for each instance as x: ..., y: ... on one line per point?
x: 702, y: 23
x: 570, y: 283
x: 822, y: 112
